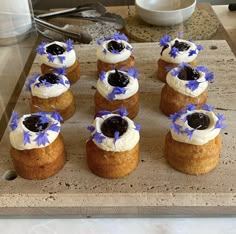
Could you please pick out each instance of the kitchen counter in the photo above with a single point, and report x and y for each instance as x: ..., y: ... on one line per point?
x: 148, y: 225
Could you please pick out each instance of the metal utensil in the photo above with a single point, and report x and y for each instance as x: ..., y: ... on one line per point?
x: 82, y: 37
x: 91, y: 9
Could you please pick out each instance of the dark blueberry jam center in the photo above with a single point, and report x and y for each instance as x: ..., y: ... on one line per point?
x: 115, y: 46
x: 55, y: 49
x: 198, y: 121
x: 50, y: 78
x: 181, y: 46
x: 188, y: 73
x: 118, y: 79
x: 34, y: 124
x: 114, y: 124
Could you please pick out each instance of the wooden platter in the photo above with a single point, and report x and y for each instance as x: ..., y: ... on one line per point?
x: 154, y: 188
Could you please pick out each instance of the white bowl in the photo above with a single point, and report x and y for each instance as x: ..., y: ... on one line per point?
x: 165, y: 12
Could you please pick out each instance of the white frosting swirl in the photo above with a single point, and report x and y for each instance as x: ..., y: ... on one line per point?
x: 104, y: 88
x: 54, y: 90
x: 126, y: 142
x: 113, y: 58
x: 70, y: 56
x: 182, y: 56
x: 199, y: 137
x: 180, y: 85
x: 17, y: 136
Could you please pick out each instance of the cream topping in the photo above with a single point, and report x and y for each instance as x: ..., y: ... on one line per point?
x: 54, y: 90
x: 70, y: 57
x: 104, y: 88
x: 17, y: 135
x: 182, y: 56
x: 106, y: 56
x: 127, y: 141
x: 180, y: 85
x: 199, y: 137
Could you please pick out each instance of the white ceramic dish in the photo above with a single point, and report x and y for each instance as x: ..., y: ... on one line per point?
x: 165, y: 12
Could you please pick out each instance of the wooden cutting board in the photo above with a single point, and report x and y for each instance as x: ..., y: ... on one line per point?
x: 154, y: 188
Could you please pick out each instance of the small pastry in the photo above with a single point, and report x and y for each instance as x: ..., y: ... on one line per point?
x: 37, y: 147
x: 59, y: 54
x: 113, y: 148
x: 114, y: 52
x: 175, y: 52
x: 51, y: 92
x: 118, y: 89
x: 193, y: 144
x: 185, y: 85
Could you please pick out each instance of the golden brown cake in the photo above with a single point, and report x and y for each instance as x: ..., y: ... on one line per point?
x: 114, y: 52
x: 37, y: 147
x: 175, y: 52
x: 59, y: 55
x: 116, y: 89
x: 51, y: 92
x: 113, y: 148
x: 193, y: 144
x: 185, y: 85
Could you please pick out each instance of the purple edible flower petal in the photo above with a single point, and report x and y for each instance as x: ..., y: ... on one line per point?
x: 14, y: 120
x: 69, y: 45
x: 189, y: 132
x: 133, y: 72
x: 51, y: 58
x: 41, y: 48
x: 54, y: 127
x: 199, y: 47
x: 201, y: 69
x: 62, y: 58
x: 26, y: 137
x: 98, y: 137
x: 102, y: 113
x: 192, y: 52
x: 219, y: 122
x: 43, y: 117
x: 119, y: 36
x: 174, y: 117
x: 114, y: 51
x: 116, y: 136
x: 174, y: 52
x: 175, y: 72
x: 122, y: 112
x: 91, y: 128
x: 31, y: 81
x: 56, y: 115
x: 165, y: 40
x: 192, y: 85
x: 207, y: 107
x: 60, y: 70
x: 42, y: 138
x: 137, y: 127
x: 61, y: 81
x: 104, y: 51
x: 191, y: 107
x: 102, y: 75
x: 168, y: 68
x: 209, y: 76
x: 99, y: 42
x: 116, y: 91
x: 176, y: 128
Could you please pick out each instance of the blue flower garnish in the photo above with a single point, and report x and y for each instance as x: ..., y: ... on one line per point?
x: 116, y: 91
x: 104, y: 51
x: 14, y: 121
x: 189, y: 132
x: 69, y: 45
x: 41, y: 48
x: 116, y: 136
x: 192, y: 84
x: 133, y: 72
x: 174, y: 52
x: 122, y: 112
x: 98, y: 137
x: 120, y: 36
x: 102, y: 75
x: 55, y: 115
x: 62, y: 58
x: 114, y: 51
x: 165, y: 40
x: 175, y: 72
x: 176, y: 128
x: 201, y: 69
x: 180, y: 34
x: 42, y: 138
x: 91, y: 128
x: 168, y: 68
x: 207, y: 107
x: 209, y: 76
x: 54, y: 127
x: 174, y: 117
x: 60, y: 70
x: 191, y: 107
x: 192, y: 52
x: 51, y: 58
x: 43, y: 117
x: 26, y: 137
x: 137, y: 127
x: 31, y: 81
x: 102, y: 113
x: 199, y: 47
x: 219, y: 122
